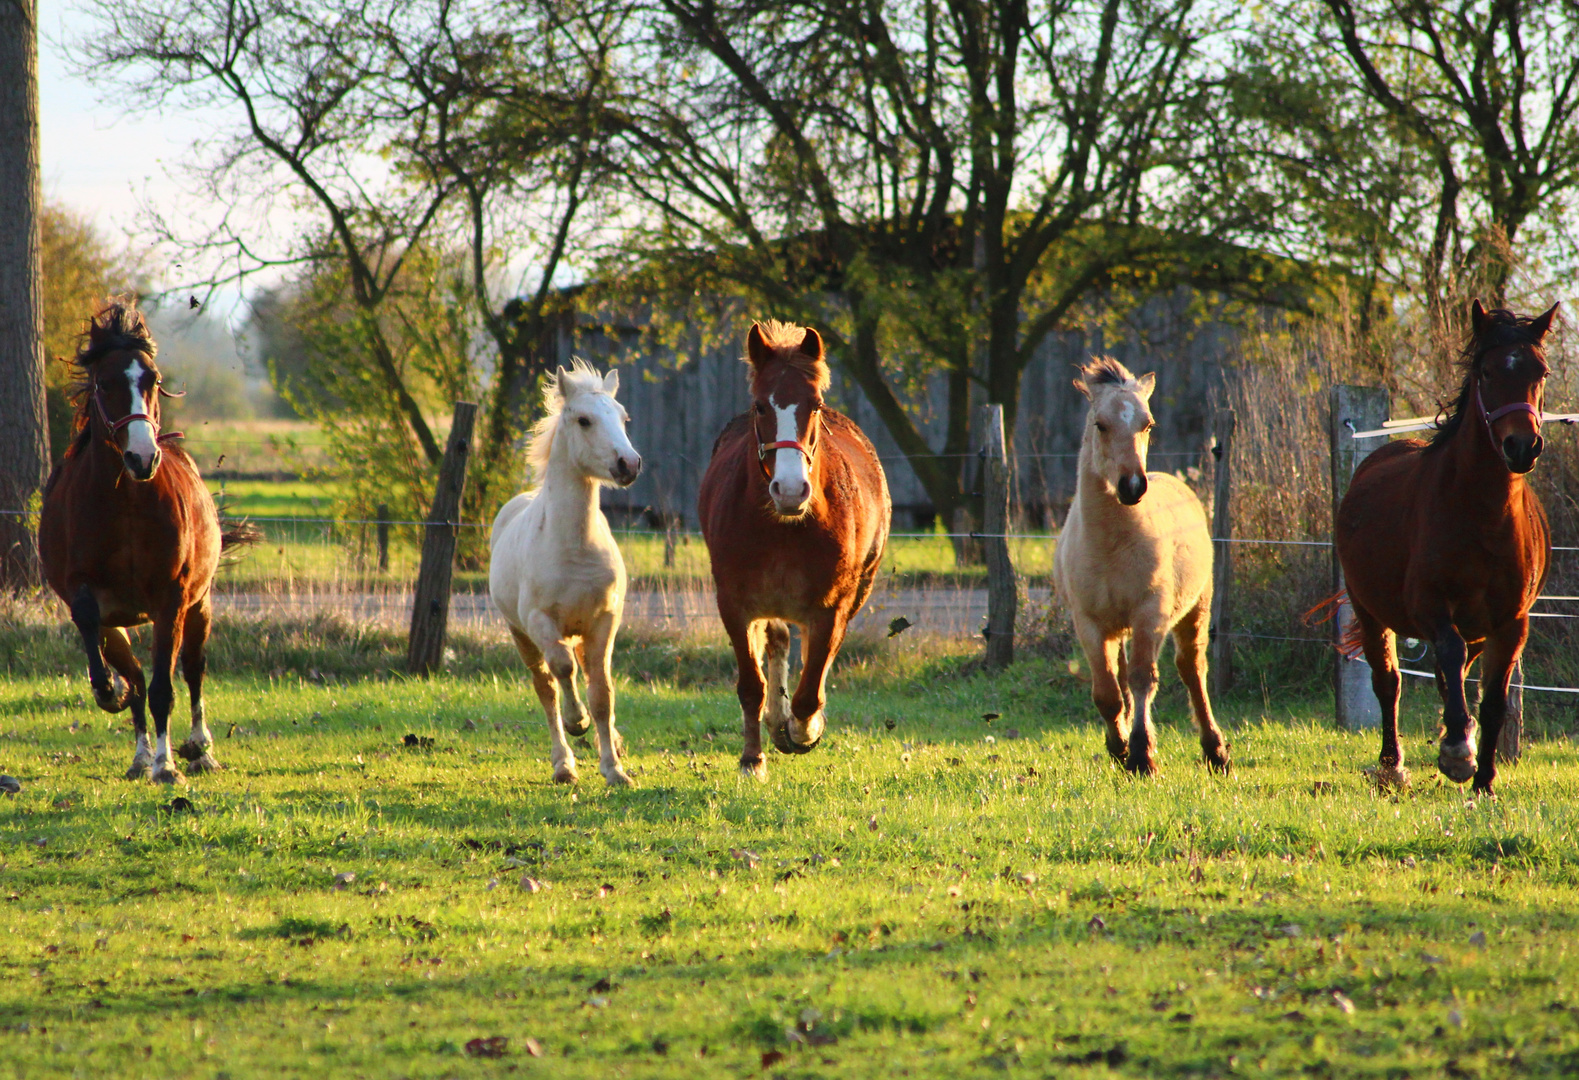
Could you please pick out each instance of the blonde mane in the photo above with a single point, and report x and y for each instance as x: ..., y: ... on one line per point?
x: 785, y: 340
x: 580, y: 379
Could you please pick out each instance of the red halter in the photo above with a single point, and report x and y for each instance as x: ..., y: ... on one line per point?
x: 784, y: 444
x: 116, y: 425
x: 1496, y: 414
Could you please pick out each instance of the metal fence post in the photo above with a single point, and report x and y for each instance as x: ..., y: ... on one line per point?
x: 383, y: 538
x: 1354, y: 408
x: 1002, y: 597
x: 1222, y: 657
x: 430, y: 609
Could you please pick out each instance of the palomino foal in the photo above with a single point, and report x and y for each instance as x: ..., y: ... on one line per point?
x: 1134, y: 560
x: 555, y: 572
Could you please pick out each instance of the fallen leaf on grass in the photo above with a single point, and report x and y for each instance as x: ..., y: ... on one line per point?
x: 1096, y: 923
x: 1342, y: 1001
x: 1478, y: 939
x: 494, y: 1046
x: 871, y: 823
x: 532, y: 885
x: 1291, y: 930
x: 342, y: 880
x: 602, y: 986
x: 533, y: 1047
x: 771, y: 1058
x: 604, y: 890
x: 750, y: 858
x: 1296, y: 1016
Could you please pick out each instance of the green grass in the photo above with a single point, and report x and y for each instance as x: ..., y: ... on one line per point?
x: 925, y: 895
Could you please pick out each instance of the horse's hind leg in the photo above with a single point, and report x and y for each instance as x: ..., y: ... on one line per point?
x: 775, y: 662
x: 168, y: 627
x: 560, y: 754
x: 1454, y: 756
x: 1190, y: 637
x: 1381, y: 653
x: 600, y: 695
x: 118, y: 651
x: 1109, y: 683
x: 85, y: 613
x: 197, y: 749
x: 1496, y: 669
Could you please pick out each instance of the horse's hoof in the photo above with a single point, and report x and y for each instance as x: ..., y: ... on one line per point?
x: 617, y: 777
x: 203, y: 763
x: 112, y: 698
x: 1220, y: 763
x: 786, y: 745
x: 563, y: 775
x: 1140, y: 766
x: 191, y: 751
x: 1392, y: 778
x: 754, y: 768
x: 1118, y: 751
x: 579, y: 727
x: 1456, y: 761
x: 140, y: 770
x: 169, y: 774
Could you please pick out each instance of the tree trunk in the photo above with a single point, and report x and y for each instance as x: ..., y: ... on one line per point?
x: 24, y: 442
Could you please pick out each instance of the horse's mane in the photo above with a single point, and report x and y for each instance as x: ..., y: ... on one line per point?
x: 785, y: 341
x: 580, y: 379
x: 118, y: 326
x: 1501, y: 329
x: 1105, y: 371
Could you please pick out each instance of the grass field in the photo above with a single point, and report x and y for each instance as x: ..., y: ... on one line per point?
x: 927, y: 894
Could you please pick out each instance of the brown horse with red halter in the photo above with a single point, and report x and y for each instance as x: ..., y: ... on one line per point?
x: 795, y: 511
x: 130, y: 535
x: 1444, y: 541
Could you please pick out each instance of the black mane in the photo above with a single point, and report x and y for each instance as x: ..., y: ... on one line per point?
x: 1501, y: 328
x: 116, y: 327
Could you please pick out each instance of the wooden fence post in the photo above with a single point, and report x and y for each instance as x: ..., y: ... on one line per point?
x: 1002, y: 597
x: 1222, y: 655
x: 383, y: 538
x: 1354, y: 408
x: 430, y: 610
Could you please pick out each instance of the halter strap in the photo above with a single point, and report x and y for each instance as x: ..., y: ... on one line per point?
x: 1512, y: 407
x: 116, y: 425
x: 763, y: 448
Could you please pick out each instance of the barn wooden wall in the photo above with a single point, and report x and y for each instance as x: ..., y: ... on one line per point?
x: 677, y: 411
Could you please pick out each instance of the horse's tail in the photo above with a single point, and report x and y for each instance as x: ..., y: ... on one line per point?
x: 1353, y: 641
x: 238, y: 533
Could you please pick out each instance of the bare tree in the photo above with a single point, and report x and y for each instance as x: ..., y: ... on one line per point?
x: 24, y: 446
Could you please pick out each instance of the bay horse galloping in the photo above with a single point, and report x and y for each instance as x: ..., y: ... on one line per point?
x: 1444, y: 541
x: 795, y: 512
x: 130, y: 535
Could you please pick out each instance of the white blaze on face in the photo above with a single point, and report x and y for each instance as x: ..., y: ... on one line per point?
x: 139, y: 433
x: 1126, y: 413
x: 789, y: 466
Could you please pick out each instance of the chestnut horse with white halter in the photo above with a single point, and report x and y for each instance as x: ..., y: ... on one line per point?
x: 130, y: 535
x: 1444, y: 541
x: 795, y: 511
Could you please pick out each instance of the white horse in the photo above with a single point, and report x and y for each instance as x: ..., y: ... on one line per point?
x: 555, y: 572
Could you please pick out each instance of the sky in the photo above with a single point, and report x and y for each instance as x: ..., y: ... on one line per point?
x: 105, y: 163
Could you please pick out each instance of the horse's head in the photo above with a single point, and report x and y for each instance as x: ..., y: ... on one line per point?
x: 1508, y: 369
x: 788, y: 377
x: 1118, y: 425
x: 121, y: 386
x: 587, y: 426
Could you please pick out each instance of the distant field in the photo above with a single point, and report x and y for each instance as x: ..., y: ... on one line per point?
x: 304, y: 549
x: 255, y: 446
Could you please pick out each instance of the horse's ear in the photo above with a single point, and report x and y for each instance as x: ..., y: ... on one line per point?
x: 1148, y: 383
x: 811, y: 344
x: 757, y: 350
x: 559, y: 382
x: 611, y: 382
x: 1543, y: 322
x: 1080, y: 384
x: 1477, y: 316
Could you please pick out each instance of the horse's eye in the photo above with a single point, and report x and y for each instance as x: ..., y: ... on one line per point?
x: 1101, y: 427
x: 583, y: 421
x: 761, y: 409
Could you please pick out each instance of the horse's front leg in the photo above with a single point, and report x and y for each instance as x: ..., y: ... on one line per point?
x: 198, y: 748
x: 599, y: 650
x: 1145, y: 644
x: 85, y: 614
x: 1454, y: 757
x: 547, y: 687
x: 749, y: 689
x: 161, y: 692
x: 118, y: 653
x: 1109, y: 687
x: 1496, y: 669
x: 824, y: 635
